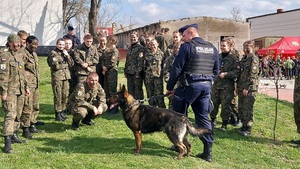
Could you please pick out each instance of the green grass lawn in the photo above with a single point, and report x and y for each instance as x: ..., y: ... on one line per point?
x: 109, y: 143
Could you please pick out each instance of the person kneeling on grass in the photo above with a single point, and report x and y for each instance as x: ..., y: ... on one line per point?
x: 87, y: 101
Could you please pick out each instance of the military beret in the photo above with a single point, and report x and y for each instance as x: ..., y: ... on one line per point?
x: 70, y: 28
x: 13, y: 38
x: 181, y: 30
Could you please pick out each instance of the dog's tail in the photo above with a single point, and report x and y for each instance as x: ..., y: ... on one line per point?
x: 196, y: 131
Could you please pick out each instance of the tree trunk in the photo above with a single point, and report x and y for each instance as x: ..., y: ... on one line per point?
x: 95, y: 6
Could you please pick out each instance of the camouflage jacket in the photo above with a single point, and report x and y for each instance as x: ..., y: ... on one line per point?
x: 134, y: 64
x: 12, y: 72
x: 83, y: 96
x: 249, y: 73
x: 231, y: 67
x: 111, y: 59
x: 153, y: 64
x: 59, y: 65
x: 86, y: 55
x: 32, y: 69
x: 167, y: 67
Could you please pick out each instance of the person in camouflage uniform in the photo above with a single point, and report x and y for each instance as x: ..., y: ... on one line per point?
x: 31, y: 107
x: 69, y: 48
x: 247, y: 86
x: 87, y: 101
x: 297, y: 99
x: 134, y: 66
x: 154, y: 75
x: 110, y: 70
x: 101, y: 51
x: 223, y: 87
x: 59, y: 62
x: 86, y: 58
x: 13, y: 87
x: 168, y: 67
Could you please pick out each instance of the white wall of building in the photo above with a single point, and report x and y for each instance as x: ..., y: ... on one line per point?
x: 279, y: 24
x: 41, y: 18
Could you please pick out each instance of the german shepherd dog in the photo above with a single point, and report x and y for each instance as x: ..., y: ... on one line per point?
x: 148, y: 119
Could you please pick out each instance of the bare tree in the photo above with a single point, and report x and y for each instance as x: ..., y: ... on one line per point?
x: 236, y: 14
x: 72, y: 8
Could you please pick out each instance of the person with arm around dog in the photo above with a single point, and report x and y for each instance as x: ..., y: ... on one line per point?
x: 87, y: 101
x: 195, y: 67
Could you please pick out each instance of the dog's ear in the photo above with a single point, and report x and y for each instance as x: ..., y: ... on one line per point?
x: 120, y: 87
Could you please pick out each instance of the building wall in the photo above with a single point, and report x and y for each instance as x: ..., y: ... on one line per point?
x: 277, y: 24
x: 41, y: 18
x: 211, y: 29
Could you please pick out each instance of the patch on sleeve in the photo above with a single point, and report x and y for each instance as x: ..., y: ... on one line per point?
x: 141, y: 54
x: 54, y: 59
x: 79, y: 93
x: 3, y: 59
x: 2, y: 66
x: 254, y: 68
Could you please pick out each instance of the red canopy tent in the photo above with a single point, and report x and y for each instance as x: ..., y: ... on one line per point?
x: 286, y: 46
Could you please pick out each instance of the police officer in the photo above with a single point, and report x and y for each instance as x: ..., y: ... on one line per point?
x: 194, y: 67
x: 297, y: 99
x: 59, y: 62
x: 87, y: 101
x: 72, y: 36
x: 134, y: 67
x: 247, y: 86
x: 13, y: 87
x: 86, y: 58
x: 223, y: 87
x: 31, y: 107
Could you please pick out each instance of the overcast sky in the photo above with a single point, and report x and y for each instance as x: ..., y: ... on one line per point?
x: 143, y: 12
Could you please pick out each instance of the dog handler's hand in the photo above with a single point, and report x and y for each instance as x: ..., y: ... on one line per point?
x: 169, y: 93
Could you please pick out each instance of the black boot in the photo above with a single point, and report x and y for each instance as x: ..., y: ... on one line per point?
x: 224, y: 125
x: 75, y: 125
x: 213, y: 122
x: 247, y: 131
x: 58, y: 116
x: 232, y: 120
x: 207, y: 152
x: 88, y: 120
x: 64, y: 114
x: 7, y: 144
x: 26, y: 133
x: 33, y: 129
x: 16, y: 139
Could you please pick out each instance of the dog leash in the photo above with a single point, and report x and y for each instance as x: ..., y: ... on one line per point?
x: 153, y: 97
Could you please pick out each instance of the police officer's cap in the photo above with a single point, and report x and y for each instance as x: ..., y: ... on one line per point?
x: 13, y: 38
x: 70, y: 28
x: 181, y: 30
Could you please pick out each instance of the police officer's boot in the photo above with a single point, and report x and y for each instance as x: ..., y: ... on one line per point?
x: 75, y: 125
x: 7, y: 144
x: 207, y: 152
x: 26, y: 133
x: 33, y: 129
x: 15, y: 138
x: 224, y: 125
x: 213, y: 122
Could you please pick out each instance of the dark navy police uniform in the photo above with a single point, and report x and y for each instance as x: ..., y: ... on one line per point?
x: 198, y: 61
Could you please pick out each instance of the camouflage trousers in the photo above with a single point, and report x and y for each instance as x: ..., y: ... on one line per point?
x: 245, y: 107
x: 154, y: 87
x: 31, y: 108
x: 297, y: 103
x: 222, y: 97
x: 80, y: 112
x: 13, y: 109
x: 110, y: 83
x: 61, y: 93
x: 135, y: 86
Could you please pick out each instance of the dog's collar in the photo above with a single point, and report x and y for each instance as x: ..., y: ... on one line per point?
x: 135, y: 103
